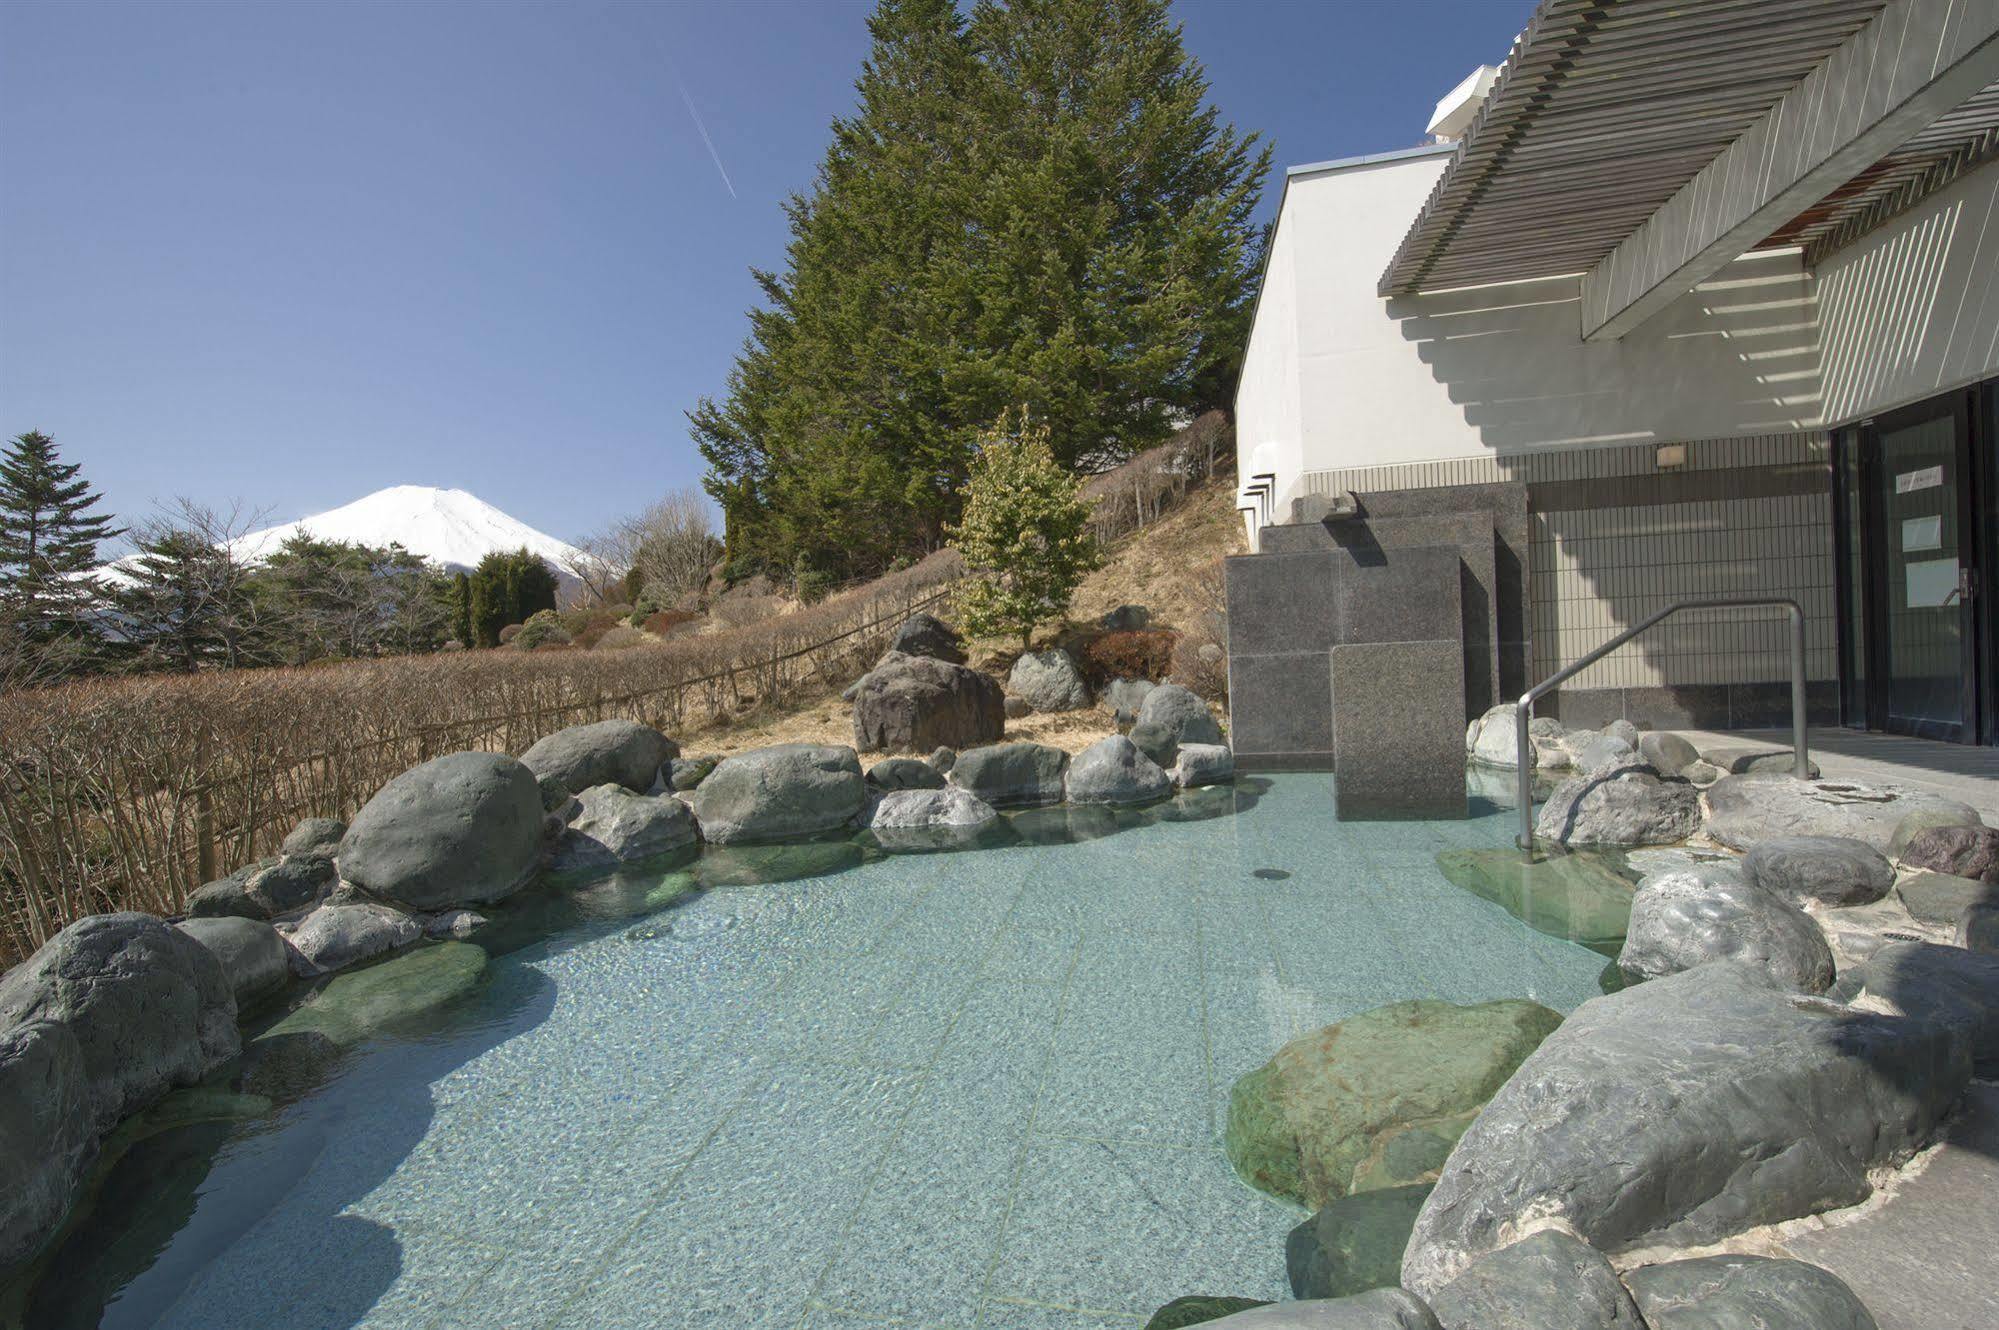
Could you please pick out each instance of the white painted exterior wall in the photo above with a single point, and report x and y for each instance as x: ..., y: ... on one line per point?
x: 1912, y: 309
x: 1336, y: 377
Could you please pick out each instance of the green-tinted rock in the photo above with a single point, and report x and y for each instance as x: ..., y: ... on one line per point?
x: 1198, y: 1310
x: 755, y: 865
x: 1925, y: 819
x: 624, y: 896
x: 365, y: 1002
x: 1939, y: 898
x: 1576, y: 896
x: 1354, y: 1244
x: 1375, y: 1100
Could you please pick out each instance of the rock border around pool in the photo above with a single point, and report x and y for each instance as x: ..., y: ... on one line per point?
x: 116, y: 1011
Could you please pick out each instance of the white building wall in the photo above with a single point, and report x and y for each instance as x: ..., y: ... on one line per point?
x: 1496, y: 383
x: 1496, y: 370
x: 1267, y: 424
x: 1912, y: 308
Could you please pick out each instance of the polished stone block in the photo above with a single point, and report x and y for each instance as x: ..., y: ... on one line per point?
x: 1403, y: 595
x: 1281, y: 705
x: 1399, y: 745
x: 1282, y: 602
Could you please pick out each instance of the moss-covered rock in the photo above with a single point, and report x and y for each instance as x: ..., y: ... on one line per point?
x: 366, y: 1002
x: 755, y: 865
x: 1378, y: 1099
x: 1579, y: 897
x: 1198, y: 1310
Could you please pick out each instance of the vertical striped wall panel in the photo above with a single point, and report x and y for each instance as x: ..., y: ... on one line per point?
x: 1593, y: 571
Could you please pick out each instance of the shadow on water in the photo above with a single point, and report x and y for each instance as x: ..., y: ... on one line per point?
x: 301, y: 1130
x: 177, y: 1187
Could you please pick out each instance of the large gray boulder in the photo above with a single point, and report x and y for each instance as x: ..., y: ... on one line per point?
x: 779, y: 793
x: 1745, y: 1293
x: 230, y: 896
x: 1124, y: 697
x: 251, y: 954
x: 1971, y: 852
x: 1113, y: 771
x: 46, y: 1133
x: 1549, y: 1281
x: 1669, y: 753
x: 910, y: 704
x: 613, y: 826
x: 1049, y: 680
x: 1594, y: 754
x: 341, y: 933
x: 615, y: 752
x: 1832, y: 870
x: 1202, y: 764
x: 1626, y: 805
x: 461, y: 829
x: 1940, y: 985
x: 149, y: 1006
x: 315, y: 838
x: 1382, y: 1309
x: 912, y: 821
x: 1172, y: 716
x: 1978, y: 929
x: 295, y: 881
x: 1493, y: 740
x: 1743, y: 811
x: 1011, y: 774
x: 1684, y: 1110
x: 1688, y: 917
x: 924, y: 635
x: 1916, y: 823
x: 904, y: 773
x: 1941, y: 900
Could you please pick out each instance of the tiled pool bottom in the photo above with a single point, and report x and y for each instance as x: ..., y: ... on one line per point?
x: 982, y: 1089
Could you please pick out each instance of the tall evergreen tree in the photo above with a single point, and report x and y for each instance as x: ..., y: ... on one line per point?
x: 185, y: 602
x: 1032, y: 206
x: 506, y: 588
x: 48, y: 549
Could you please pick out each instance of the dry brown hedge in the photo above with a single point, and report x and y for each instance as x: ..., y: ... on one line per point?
x: 129, y: 793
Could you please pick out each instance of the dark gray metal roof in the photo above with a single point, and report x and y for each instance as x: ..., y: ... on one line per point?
x: 1602, y: 112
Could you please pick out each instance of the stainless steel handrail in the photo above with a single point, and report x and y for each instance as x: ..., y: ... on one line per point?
x: 1523, y: 710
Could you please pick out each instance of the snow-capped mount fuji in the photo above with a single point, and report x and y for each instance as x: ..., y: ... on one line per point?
x: 451, y: 528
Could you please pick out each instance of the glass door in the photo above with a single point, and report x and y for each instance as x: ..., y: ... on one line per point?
x: 1921, y: 645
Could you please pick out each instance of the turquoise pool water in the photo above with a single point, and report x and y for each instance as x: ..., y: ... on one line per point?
x: 974, y: 1090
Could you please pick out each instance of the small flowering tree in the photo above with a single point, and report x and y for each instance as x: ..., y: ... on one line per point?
x: 1025, y: 535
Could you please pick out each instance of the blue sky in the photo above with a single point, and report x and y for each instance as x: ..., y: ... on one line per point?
x: 290, y: 253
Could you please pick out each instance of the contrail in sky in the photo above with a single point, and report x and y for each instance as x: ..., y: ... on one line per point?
x: 695, y: 116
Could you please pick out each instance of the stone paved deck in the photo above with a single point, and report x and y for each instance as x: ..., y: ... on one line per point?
x: 1928, y: 1259
x: 1964, y: 772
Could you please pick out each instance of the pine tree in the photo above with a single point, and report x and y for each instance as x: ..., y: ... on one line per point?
x: 506, y: 588
x: 48, y: 549
x: 1032, y: 206
x: 1026, y: 534
x: 182, y: 601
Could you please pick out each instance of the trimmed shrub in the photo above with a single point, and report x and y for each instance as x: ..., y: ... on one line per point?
x: 509, y: 633
x: 665, y: 621
x: 1139, y: 653
x: 1201, y: 665
x: 617, y: 638
x: 543, y: 629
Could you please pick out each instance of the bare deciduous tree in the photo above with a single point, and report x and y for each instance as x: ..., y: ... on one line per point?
x: 186, y: 595
x: 670, y: 546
